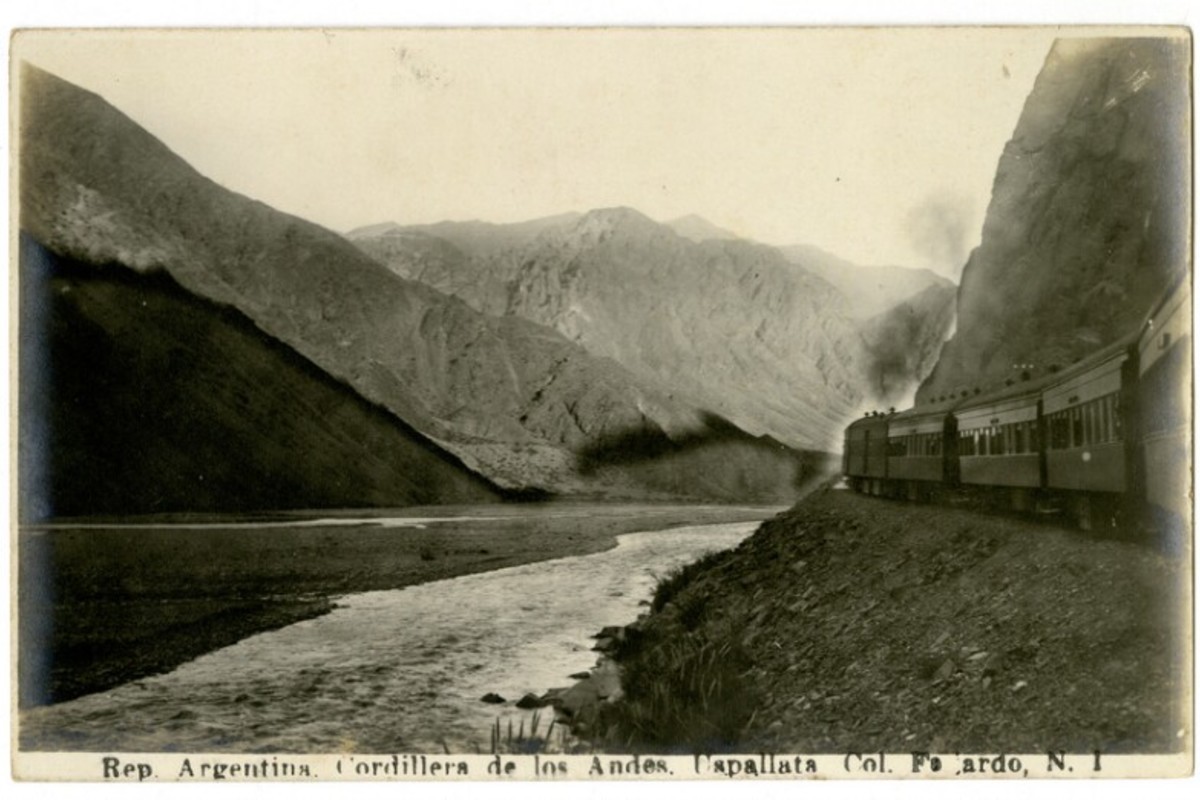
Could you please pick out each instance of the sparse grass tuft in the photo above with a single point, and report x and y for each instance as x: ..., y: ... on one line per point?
x: 670, y: 585
x: 508, y: 741
x: 685, y: 695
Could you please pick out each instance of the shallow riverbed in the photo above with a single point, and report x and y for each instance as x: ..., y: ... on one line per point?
x: 387, y: 671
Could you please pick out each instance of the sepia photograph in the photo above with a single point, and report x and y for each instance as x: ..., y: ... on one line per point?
x: 591, y: 403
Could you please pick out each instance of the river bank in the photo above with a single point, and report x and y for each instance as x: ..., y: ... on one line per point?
x: 393, y: 671
x: 105, y: 603
x: 858, y: 623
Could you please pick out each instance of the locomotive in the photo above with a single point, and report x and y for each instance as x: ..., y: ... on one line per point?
x: 1106, y: 439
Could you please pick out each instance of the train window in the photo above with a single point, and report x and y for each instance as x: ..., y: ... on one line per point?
x: 1076, y: 427
x: 1019, y: 438
x: 1060, y: 435
x: 898, y: 447
x: 996, y: 447
x: 1112, y: 418
x: 966, y: 443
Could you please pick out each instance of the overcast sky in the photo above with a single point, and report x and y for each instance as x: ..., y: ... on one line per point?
x: 878, y: 145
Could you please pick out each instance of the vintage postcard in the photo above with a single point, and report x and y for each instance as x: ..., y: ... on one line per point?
x: 585, y: 404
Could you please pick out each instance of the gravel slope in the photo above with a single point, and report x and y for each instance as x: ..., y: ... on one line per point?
x: 867, y: 624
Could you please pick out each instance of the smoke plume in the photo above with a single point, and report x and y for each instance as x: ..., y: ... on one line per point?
x: 937, y: 228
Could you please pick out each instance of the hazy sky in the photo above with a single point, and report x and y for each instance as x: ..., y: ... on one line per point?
x: 878, y: 145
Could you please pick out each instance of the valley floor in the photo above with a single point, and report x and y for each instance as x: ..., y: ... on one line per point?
x: 106, y: 603
x: 859, y: 624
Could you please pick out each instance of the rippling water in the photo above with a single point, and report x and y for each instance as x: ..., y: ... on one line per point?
x: 389, y: 671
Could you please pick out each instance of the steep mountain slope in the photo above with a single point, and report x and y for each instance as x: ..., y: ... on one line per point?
x: 473, y: 261
x: 512, y: 399
x: 1088, y: 217
x: 872, y: 290
x: 138, y: 397
x: 728, y: 323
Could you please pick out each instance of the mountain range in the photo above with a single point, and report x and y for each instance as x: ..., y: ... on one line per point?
x: 507, y: 405
x: 726, y: 324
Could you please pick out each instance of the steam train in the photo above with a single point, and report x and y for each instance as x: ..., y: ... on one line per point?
x: 1106, y: 440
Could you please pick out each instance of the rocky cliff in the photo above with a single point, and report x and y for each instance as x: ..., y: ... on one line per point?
x: 514, y: 401
x: 1089, y: 214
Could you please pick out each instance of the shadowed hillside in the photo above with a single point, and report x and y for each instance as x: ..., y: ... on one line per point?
x: 138, y: 397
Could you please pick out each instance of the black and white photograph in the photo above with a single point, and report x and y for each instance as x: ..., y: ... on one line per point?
x: 592, y: 403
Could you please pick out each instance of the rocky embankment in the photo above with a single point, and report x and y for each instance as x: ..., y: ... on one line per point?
x: 854, y: 622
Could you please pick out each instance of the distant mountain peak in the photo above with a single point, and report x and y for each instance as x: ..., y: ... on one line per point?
x: 618, y: 215
x: 600, y: 224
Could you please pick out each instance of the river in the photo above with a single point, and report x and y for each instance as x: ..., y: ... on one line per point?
x: 388, y: 671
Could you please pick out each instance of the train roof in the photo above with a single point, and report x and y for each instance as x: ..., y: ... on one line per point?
x: 1039, y: 385
x: 870, y: 419
x: 929, y: 409
x: 1020, y: 389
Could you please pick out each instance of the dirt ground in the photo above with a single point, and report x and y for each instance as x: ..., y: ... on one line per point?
x: 864, y: 624
x: 103, y: 606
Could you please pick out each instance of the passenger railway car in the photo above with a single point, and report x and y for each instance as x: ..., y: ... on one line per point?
x: 999, y: 442
x: 1163, y: 399
x: 864, y: 456
x: 1105, y: 436
x: 918, y: 458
